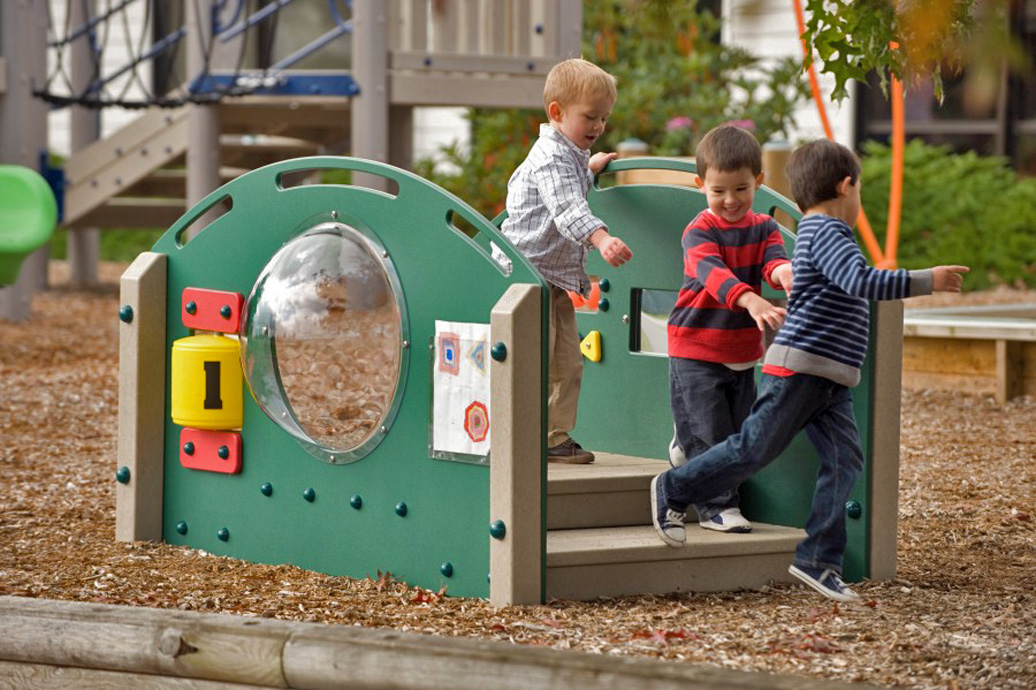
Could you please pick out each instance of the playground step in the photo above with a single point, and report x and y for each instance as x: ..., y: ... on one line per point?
x: 614, y: 561
x: 610, y: 492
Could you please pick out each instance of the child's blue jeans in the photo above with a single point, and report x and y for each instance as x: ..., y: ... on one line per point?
x: 710, y: 401
x: 786, y: 404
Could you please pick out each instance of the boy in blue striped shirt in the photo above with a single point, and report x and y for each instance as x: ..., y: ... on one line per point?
x: 809, y: 370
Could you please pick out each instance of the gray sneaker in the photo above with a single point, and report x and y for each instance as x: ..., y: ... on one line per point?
x: 569, y: 452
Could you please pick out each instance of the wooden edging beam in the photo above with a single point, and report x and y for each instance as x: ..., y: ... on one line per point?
x: 115, y: 647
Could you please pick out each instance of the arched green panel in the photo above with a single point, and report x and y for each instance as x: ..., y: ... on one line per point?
x: 444, y: 274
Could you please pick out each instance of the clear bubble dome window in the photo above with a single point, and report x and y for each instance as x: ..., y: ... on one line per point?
x: 323, y: 341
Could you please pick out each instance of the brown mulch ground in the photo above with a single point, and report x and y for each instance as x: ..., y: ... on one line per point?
x: 962, y: 613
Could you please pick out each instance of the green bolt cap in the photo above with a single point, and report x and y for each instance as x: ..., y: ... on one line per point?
x: 223, y: 534
x: 853, y: 509
x: 498, y: 352
x: 401, y: 509
x: 181, y: 527
x: 224, y: 311
x: 125, y: 313
x: 497, y: 529
x: 223, y: 452
x: 309, y: 494
x: 191, y: 307
x: 188, y: 448
x: 604, y: 284
x: 446, y: 569
x: 266, y: 489
x: 356, y: 501
x: 122, y: 475
x: 602, y: 304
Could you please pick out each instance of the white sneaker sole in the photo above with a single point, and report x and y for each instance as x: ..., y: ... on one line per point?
x: 733, y: 529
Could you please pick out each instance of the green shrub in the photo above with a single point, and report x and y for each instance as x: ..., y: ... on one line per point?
x: 116, y: 245
x: 957, y: 209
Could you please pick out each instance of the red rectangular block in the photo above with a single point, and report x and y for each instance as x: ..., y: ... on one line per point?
x: 205, y: 450
x: 211, y: 310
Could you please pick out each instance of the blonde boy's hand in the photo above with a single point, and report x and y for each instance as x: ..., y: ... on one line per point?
x: 948, y: 278
x: 598, y: 161
x: 613, y: 250
x: 762, y: 312
x: 782, y: 274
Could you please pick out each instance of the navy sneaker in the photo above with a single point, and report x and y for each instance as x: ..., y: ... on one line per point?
x: 729, y: 520
x: 825, y: 581
x: 668, y: 522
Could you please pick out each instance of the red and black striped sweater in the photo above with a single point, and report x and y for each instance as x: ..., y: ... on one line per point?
x: 721, y: 261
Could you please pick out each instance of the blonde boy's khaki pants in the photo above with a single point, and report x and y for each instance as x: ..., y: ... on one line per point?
x: 566, y: 368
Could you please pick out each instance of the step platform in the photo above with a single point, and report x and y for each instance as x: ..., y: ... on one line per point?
x: 600, y: 542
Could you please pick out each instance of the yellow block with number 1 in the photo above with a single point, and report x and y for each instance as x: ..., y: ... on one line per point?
x: 207, y: 382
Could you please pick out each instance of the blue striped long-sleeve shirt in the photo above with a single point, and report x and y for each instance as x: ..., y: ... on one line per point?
x: 828, y: 322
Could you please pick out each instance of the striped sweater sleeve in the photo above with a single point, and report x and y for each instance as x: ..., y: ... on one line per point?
x: 838, y: 257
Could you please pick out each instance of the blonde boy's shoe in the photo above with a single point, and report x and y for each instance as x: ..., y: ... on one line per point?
x: 569, y: 452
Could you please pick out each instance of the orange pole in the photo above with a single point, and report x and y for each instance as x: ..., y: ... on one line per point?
x: 896, y: 188
x: 866, y: 233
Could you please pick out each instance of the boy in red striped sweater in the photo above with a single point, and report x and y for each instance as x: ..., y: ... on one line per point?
x: 715, y: 329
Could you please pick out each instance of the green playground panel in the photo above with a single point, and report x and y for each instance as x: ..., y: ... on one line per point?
x: 28, y: 215
x: 444, y: 274
x: 624, y: 401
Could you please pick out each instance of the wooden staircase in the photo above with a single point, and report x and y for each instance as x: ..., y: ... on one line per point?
x: 600, y: 542
x: 137, y: 176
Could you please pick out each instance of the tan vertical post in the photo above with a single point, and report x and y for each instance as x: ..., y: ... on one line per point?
x: 23, y: 128
x: 142, y: 358
x: 775, y: 159
x: 885, y: 416
x: 203, y: 120
x: 516, y: 473
x: 84, y: 244
x: 370, y: 127
x: 1010, y: 365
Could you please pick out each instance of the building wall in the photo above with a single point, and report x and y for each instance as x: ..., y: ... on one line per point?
x: 768, y: 29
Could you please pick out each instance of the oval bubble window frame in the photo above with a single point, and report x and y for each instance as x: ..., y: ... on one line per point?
x: 258, y: 333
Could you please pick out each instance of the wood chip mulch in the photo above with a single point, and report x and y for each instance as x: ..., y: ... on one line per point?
x: 961, y: 613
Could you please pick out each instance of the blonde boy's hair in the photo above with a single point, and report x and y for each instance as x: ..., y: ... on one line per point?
x: 569, y: 81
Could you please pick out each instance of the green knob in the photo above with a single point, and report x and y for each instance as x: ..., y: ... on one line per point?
x: 266, y: 489
x: 401, y: 509
x: 309, y: 494
x: 853, y: 509
x: 125, y: 313
x: 356, y: 501
x: 122, y: 475
x: 224, y: 311
x: 604, y: 284
x: 446, y: 569
x: 181, y: 527
x: 191, y: 307
x: 223, y: 534
x: 188, y: 448
x: 223, y: 452
x: 602, y: 304
x: 497, y: 529
x: 498, y: 352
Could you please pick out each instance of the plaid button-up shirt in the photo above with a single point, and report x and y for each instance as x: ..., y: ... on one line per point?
x: 548, y: 219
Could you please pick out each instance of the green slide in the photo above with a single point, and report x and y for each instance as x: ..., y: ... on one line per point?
x: 28, y: 214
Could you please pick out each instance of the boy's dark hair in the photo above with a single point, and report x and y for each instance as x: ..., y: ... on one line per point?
x: 728, y: 149
x: 816, y: 168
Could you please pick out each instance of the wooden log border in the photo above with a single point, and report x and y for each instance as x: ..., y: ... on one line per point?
x: 70, y: 644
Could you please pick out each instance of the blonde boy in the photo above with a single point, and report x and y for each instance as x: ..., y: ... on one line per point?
x: 550, y: 222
